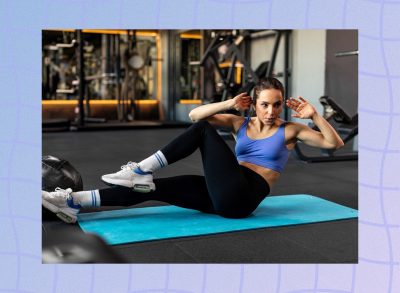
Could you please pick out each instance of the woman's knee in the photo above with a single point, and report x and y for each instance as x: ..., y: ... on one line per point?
x: 202, y: 124
x: 202, y: 128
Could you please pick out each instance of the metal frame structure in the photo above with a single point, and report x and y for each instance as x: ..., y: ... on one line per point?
x: 235, y: 54
x: 329, y: 155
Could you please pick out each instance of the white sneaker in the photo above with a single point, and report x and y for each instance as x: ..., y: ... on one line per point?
x: 61, y: 203
x: 131, y: 176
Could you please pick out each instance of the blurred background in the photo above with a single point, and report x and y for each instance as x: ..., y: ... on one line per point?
x: 128, y: 78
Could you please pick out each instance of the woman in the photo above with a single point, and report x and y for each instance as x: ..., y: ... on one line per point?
x: 232, y: 186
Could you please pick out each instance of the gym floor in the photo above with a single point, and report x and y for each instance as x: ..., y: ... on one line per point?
x: 96, y: 153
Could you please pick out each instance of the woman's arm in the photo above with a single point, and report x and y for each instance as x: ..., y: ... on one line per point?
x: 242, y: 101
x: 209, y: 112
x: 206, y: 111
x: 327, y: 138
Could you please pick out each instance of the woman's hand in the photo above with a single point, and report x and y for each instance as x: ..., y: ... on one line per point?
x: 303, y: 109
x: 242, y: 102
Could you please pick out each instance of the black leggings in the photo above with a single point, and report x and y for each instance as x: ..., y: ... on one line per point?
x: 227, y: 189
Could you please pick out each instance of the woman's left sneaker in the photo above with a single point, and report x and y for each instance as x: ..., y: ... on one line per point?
x: 61, y: 203
x: 131, y: 176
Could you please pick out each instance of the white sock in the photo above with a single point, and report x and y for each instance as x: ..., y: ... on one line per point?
x: 153, y: 163
x: 90, y: 198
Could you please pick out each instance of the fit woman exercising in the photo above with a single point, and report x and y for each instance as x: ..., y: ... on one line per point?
x: 232, y: 186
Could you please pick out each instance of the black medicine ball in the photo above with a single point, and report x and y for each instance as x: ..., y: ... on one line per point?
x: 57, y: 172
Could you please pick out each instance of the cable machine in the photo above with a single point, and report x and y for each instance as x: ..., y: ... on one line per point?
x: 345, y: 125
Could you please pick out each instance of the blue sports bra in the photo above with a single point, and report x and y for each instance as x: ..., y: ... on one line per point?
x: 269, y: 152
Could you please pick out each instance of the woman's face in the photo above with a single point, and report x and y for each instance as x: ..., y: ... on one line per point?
x: 269, y: 106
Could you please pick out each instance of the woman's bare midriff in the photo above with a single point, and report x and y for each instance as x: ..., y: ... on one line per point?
x: 269, y: 175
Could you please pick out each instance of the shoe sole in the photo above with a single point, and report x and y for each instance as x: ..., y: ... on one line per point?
x: 107, y: 183
x: 142, y: 188
x: 66, y: 217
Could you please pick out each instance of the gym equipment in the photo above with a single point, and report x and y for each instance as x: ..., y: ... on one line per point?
x: 231, y: 42
x: 228, y: 44
x: 154, y: 223
x: 345, y: 125
x: 72, y: 246
x: 83, y: 114
x: 134, y: 86
x: 57, y: 72
x: 58, y: 172
x: 73, y: 82
x: 248, y: 87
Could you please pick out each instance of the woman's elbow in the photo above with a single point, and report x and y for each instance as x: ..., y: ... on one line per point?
x: 192, y: 116
x: 196, y: 116
x: 339, y: 144
x: 333, y: 146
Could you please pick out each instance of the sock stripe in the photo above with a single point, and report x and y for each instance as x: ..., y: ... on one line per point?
x: 159, y: 160
x: 93, y: 199
x: 162, y: 158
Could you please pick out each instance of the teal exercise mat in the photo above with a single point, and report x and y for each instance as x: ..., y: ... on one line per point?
x: 163, y: 222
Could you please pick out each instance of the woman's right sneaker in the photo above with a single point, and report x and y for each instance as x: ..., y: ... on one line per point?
x: 61, y: 203
x: 131, y: 176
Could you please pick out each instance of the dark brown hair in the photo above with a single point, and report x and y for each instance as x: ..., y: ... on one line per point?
x: 266, y: 84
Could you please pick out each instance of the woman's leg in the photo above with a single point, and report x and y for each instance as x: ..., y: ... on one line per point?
x: 227, y: 186
x: 183, y: 191
x: 216, y: 156
x: 189, y: 191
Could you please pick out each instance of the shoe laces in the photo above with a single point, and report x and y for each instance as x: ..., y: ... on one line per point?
x: 61, y: 192
x: 129, y: 166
